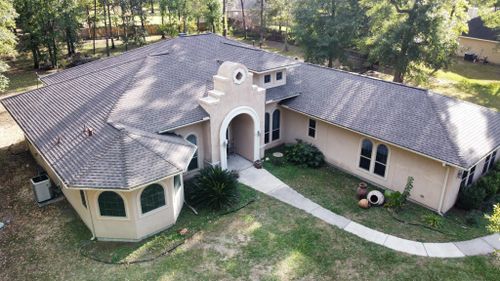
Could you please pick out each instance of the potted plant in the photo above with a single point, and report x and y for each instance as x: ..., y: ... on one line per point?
x: 258, y: 164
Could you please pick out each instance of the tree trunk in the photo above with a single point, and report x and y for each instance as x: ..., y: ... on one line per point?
x: 261, y: 29
x: 398, y: 76
x: 106, y: 27
x: 35, y: 52
x: 224, y: 18
x: 330, y: 61
x: 110, y: 29
x: 243, y: 19
x: 286, y: 37
x: 93, y: 28
x: 152, y: 6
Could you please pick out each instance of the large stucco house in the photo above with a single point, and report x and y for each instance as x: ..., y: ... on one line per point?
x: 118, y: 135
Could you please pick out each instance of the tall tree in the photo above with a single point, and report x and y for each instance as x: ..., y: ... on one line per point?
x: 262, y: 23
x: 110, y: 27
x: 104, y: 7
x: 8, y: 42
x: 489, y: 10
x: 408, y: 34
x: 325, y: 28
x: 243, y: 19
x: 224, y: 18
x: 212, y: 14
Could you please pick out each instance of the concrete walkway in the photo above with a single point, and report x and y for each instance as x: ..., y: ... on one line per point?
x: 266, y: 183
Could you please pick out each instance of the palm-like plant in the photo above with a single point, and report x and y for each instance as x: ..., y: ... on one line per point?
x: 215, y: 188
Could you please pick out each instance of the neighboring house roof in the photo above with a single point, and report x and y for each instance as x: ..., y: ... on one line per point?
x: 478, y: 30
x: 129, y: 98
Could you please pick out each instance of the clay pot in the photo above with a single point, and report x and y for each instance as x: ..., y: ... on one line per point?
x: 363, y: 203
x: 362, y: 190
x: 375, y: 197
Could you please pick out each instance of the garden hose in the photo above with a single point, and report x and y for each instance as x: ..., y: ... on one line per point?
x: 83, y: 244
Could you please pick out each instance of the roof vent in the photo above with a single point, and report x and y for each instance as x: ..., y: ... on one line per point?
x: 88, y: 131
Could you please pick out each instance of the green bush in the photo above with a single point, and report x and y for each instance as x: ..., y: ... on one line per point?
x: 304, y: 154
x: 490, y: 184
x: 396, y: 199
x: 471, y: 197
x: 433, y: 220
x: 214, y: 188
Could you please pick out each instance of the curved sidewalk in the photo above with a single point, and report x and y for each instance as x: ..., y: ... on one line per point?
x: 265, y: 182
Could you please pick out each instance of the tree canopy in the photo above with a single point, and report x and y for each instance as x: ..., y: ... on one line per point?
x: 408, y: 34
x: 325, y: 28
x: 7, y: 38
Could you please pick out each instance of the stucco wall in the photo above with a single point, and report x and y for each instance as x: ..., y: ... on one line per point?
x: 241, y: 136
x: 483, y: 48
x: 258, y: 79
x: 342, y: 149
x: 201, y: 131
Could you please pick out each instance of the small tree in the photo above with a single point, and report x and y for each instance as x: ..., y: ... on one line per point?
x: 8, y: 39
x: 494, y: 225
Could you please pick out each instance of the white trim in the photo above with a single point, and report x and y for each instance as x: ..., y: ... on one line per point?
x: 125, y: 206
x: 185, y: 125
x: 197, y: 152
x: 154, y: 211
x: 373, y: 158
x: 368, y: 136
x: 225, y: 124
x: 309, y: 127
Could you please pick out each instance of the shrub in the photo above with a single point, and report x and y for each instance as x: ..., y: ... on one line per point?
x: 396, y: 199
x: 494, y: 224
x: 490, y: 184
x: 305, y: 154
x: 471, y: 197
x: 472, y: 218
x: 433, y: 220
x: 214, y: 188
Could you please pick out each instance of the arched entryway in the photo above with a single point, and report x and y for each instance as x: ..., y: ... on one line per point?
x: 239, y: 134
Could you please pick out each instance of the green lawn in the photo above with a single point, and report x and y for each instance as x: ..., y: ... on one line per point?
x: 336, y: 191
x: 267, y: 240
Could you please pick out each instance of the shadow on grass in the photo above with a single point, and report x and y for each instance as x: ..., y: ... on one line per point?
x: 164, y: 242
x: 484, y: 94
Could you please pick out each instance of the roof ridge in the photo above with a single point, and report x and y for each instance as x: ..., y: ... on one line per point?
x: 446, y: 129
x: 101, y: 59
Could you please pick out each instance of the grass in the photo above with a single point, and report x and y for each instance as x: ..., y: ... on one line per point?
x: 267, y: 240
x: 336, y: 191
x: 119, y: 252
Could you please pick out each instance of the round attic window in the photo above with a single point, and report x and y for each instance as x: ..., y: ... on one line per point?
x: 239, y: 76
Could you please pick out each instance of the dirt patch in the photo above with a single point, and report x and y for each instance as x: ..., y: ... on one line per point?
x: 10, y: 133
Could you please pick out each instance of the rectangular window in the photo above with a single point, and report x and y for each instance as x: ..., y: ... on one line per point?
x: 492, y: 160
x: 82, y: 197
x: 267, y: 127
x: 276, y: 124
x: 279, y: 76
x: 177, y: 181
x: 312, y: 128
x: 364, y: 163
x: 471, y: 175
x: 267, y: 78
x: 465, y: 175
x: 486, y: 164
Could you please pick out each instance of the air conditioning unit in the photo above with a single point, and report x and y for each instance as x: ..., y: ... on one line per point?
x: 41, y: 188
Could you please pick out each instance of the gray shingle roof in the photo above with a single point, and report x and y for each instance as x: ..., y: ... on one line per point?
x: 129, y: 98
x: 447, y: 129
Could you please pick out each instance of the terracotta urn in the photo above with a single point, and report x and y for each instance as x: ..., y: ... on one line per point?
x: 362, y: 190
x: 363, y: 203
x: 258, y: 164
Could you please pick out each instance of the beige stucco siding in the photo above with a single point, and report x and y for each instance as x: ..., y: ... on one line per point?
x: 201, y: 131
x: 483, y: 48
x: 342, y: 149
x: 270, y: 108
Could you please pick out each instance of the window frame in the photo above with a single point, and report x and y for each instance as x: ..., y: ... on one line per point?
x: 470, y: 179
x: 267, y: 128
x: 373, y: 158
x: 376, y: 161
x: 278, y: 129
x: 492, y: 160
x: 107, y: 217
x: 267, y: 76
x: 360, y: 155
x: 83, y: 199
x: 486, y: 165
x: 196, y: 154
x: 279, y: 78
x: 177, y: 187
x: 314, y: 129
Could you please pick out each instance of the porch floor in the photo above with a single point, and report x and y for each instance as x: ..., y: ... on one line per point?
x: 237, y: 162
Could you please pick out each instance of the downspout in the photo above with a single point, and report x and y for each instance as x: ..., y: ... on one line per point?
x: 90, y: 213
x: 443, y: 190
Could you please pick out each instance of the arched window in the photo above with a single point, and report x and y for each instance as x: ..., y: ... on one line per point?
x: 366, y: 155
x: 111, y: 204
x: 152, y: 197
x: 267, y: 127
x: 276, y: 124
x: 381, y: 160
x: 193, y: 165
